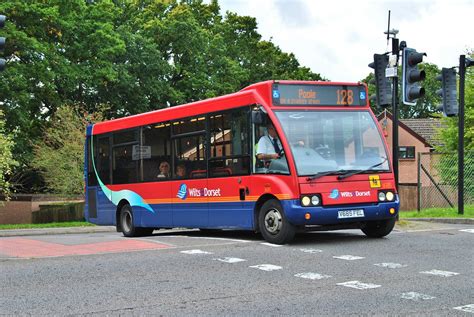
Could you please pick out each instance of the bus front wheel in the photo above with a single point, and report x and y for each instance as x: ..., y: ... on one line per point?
x: 127, y: 224
x: 378, y: 229
x: 273, y: 224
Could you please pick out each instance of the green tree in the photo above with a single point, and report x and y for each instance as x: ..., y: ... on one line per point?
x: 132, y: 56
x: 59, y: 155
x: 6, y: 159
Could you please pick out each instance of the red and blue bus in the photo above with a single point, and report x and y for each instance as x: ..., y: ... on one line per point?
x: 196, y: 165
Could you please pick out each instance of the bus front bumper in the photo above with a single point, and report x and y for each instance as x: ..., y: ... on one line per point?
x: 330, y: 215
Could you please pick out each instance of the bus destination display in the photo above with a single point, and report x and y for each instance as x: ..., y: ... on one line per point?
x: 318, y: 95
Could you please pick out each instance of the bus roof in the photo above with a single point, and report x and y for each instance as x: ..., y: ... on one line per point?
x: 259, y: 93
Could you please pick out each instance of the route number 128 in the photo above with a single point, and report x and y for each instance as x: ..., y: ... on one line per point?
x: 345, y: 97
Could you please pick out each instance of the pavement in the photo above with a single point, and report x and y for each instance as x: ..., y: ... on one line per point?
x: 52, y: 231
x: 403, y: 225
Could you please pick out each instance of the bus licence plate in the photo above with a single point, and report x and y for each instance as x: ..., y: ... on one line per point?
x: 353, y: 213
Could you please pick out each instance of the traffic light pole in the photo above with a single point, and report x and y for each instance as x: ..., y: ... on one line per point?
x: 395, y: 129
x: 462, y: 74
x: 395, y: 51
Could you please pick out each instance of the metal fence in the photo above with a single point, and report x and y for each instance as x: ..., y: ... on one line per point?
x: 438, y: 179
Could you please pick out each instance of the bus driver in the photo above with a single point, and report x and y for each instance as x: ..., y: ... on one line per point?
x: 269, y: 146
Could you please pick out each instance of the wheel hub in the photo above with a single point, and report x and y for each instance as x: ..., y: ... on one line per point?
x: 273, y: 221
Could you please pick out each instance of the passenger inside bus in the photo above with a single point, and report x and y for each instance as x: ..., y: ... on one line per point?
x: 164, y: 170
x: 181, y: 171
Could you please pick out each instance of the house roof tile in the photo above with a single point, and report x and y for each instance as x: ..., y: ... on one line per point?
x: 427, y: 128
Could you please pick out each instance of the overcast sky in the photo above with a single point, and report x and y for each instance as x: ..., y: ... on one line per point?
x: 338, y: 38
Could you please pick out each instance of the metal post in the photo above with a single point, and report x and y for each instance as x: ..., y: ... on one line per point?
x: 462, y: 74
x: 396, y: 51
x: 418, y: 202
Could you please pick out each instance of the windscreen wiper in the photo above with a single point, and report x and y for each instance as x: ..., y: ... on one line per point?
x: 369, y: 169
x: 321, y: 174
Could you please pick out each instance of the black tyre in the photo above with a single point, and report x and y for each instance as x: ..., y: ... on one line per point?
x: 378, y: 229
x: 127, y: 224
x: 273, y: 224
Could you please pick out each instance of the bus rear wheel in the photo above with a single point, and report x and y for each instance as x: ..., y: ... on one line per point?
x: 127, y: 224
x: 378, y: 229
x: 273, y: 224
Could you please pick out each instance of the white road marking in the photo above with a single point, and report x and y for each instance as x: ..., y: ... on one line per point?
x: 391, y: 265
x: 348, y: 257
x: 358, y: 285
x: 467, y: 230
x: 230, y: 260
x: 467, y: 308
x: 266, y: 267
x: 416, y: 296
x: 312, y: 276
x: 440, y: 273
x: 312, y: 251
x: 271, y: 244
x: 195, y: 252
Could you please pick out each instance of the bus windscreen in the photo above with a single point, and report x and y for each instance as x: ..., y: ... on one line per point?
x: 318, y: 95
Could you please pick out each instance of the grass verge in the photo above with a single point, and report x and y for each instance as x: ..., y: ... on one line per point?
x: 47, y: 225
x: 439, y: 213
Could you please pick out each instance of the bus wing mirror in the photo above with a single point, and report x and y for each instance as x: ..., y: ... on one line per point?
x: 258, y: 117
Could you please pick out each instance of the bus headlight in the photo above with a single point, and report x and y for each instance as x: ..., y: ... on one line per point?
x: 305, y: 201
x: 382, y: 196
x: 315, y: 200
x: 311, y: 200
x: 390, y: 196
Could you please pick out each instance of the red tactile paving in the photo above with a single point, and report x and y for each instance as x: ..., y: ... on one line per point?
x: 29, y: 248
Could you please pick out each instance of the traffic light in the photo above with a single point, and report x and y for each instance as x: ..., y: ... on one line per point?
x: 411, y: 75
x: 448, y: 91
x: 2, y: 42
x: 382, y: 83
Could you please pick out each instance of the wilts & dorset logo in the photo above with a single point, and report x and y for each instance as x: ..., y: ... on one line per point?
x: 182, y: 192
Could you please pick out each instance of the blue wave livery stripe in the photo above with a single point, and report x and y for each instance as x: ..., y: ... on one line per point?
x: 115, y: 197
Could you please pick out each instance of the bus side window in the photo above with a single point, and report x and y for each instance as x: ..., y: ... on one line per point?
x: 189, y: 148
x: 92, y: 179
x: 155, y: 150
x: 229, y: 141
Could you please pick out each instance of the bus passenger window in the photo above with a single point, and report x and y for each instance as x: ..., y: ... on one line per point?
x: 229, y: 141
x: 102, y: 159
x: 189, y: 151
x: 156, y: 151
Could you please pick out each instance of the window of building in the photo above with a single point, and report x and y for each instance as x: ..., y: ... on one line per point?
x: 229, y: 143
x: 406, y: 152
